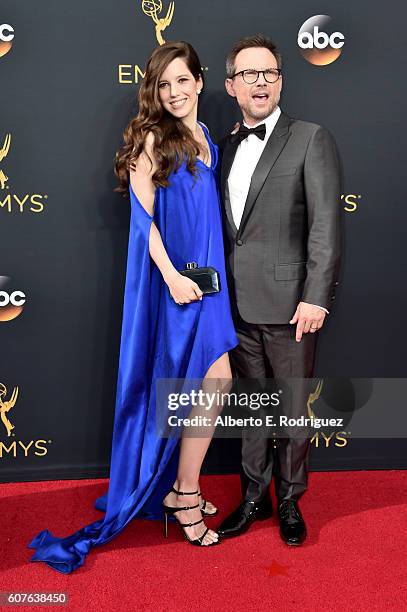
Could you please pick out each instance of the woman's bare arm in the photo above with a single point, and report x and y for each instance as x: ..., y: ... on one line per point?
x: 182, y: 289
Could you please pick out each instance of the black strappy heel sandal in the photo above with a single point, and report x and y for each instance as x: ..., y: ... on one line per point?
x: 171, y: 510
x: 203, y: 507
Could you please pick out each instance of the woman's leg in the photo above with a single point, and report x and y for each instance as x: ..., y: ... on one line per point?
x: 192, y: 454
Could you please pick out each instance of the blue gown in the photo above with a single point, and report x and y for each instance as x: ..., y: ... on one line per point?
x: 160, y: 339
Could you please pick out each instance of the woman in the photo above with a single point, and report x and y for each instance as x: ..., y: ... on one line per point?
x: 170, y: 329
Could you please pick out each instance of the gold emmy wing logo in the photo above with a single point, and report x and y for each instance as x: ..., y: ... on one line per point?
x: 3, y: 153
x: 153, y: 8
x: 5, y: 407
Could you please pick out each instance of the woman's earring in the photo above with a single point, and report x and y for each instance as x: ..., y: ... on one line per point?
x: 198, y: 91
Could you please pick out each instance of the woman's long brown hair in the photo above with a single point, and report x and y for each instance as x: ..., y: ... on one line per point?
x: 173, y: 141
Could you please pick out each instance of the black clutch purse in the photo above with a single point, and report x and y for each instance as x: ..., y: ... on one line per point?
x: 207, y: 279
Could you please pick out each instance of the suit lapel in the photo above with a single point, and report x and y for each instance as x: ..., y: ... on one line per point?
x: 272, y: 150
x: 228, y: 156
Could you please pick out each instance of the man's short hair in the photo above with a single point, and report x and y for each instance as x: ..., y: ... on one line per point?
x: 246, y: 43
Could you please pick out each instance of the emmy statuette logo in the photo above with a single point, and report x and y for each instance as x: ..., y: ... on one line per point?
x: 129, y: 74
x: 10, y: 447
x: 339, y: 436
x: 6, y: 406
x: 313, y: 398
x: 153, y: 8
x: 13, y: 202
x: 3, y: 153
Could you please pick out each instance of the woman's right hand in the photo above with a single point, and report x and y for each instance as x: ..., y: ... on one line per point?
x: 183, y: 290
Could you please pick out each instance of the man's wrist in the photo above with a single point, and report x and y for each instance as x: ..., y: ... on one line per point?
x: 318, y: 306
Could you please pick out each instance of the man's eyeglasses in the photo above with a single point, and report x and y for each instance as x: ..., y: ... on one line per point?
x: 250, y: 76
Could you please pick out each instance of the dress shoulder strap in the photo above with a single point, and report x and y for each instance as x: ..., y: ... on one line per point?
x: 201, y: 123
x: 213, y: 148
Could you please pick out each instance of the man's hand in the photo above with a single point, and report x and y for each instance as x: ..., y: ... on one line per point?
x: 309, y: 318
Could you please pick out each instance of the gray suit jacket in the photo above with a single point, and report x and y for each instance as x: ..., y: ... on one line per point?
x: 287, y: 248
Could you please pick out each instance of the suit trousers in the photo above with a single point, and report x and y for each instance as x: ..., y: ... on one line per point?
x: 271, y: 351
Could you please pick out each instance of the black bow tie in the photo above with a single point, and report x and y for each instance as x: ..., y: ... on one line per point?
x: 259, y: 130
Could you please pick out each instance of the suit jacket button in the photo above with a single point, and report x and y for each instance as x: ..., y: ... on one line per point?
x: 239, y: 242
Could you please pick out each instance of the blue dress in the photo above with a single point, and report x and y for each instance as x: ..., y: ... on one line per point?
x: 160, y: 339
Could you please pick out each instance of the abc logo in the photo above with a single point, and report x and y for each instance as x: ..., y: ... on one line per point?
x: 6, y: 36
x: 318, y: 42
x: 11, y: 300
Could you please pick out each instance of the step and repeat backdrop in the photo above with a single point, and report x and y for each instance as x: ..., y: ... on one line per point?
x: 69, y: 77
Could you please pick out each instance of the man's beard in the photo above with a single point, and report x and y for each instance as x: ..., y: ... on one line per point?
x: 261, y: 114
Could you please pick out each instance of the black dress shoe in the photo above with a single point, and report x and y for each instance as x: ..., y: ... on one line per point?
x: 240, y: 520
x: 292, y: 526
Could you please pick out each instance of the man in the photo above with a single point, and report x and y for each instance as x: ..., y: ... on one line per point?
x: 280, y: 181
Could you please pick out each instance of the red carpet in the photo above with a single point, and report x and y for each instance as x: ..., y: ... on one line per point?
x: 353, y: 560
